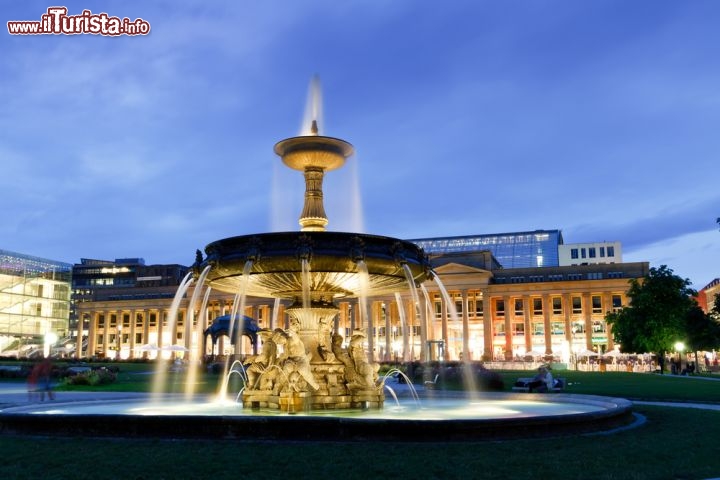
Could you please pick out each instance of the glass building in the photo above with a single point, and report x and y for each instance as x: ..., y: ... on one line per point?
x: 34, y: 302
x: 538, y: 248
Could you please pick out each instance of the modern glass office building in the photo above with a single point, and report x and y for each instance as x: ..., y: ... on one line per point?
x: 538, y: 248
x: 34, y: 301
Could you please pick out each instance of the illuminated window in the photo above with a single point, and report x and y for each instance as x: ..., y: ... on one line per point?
x: 537, y: 306
x: 538, y: 328
x: 557, y: 305
x: 576, y: 305
x: 500, y: 308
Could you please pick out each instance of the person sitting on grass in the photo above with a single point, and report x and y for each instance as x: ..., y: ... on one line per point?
x: 542, y: 382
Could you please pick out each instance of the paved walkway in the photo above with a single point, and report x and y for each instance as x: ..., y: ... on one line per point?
x: 15, y: 393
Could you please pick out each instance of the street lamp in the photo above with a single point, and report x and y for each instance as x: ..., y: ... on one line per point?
x: 679, y: 347
x: 50, y: 339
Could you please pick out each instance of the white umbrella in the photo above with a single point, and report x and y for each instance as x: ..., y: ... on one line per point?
x: 613, y: 353
x: 587, y: 353
x: 175, y: 348
x: 533, y: 353
x: 150, y: 347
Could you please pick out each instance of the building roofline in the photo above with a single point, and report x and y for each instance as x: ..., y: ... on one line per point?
x: 481, y: 235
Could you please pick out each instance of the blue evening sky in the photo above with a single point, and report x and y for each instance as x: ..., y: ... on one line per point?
x: 599, y: 118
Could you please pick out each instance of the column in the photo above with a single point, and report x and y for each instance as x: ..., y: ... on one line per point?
x: 487, y: 326
x: 131, y: 334
x: 528, y: 323
x: 587, y: 316
x: 79, y: 340
x: 444, y: 327
x: 607, y: 307
x: 92, y: 335
x: 465, y: 327
x: 160, y: 328
x: 509, y: 312
x: 409, y: 336
x: 146, y: 330
x: 271, y: 316
x: 546, y: 323
x: 105, y: 332
x: 370, y: 334
x: 567, y: 317
x: 422, y: 308
x: 353, y: 309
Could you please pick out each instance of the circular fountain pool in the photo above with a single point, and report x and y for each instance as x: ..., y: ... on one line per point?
x: 493, y: 416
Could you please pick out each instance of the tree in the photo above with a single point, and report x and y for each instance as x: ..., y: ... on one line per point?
x: 655, y: 319
x: 715, y: 310
x: 702, y: 331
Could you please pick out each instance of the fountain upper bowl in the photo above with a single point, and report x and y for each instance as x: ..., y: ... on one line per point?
x: 335, y: 261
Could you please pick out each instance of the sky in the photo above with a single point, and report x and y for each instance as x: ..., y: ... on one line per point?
x: 597, y: 118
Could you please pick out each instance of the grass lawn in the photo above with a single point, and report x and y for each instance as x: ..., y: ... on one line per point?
x: 673, y: 443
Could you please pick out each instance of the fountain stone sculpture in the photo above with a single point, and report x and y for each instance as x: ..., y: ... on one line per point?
x: 312, y: 269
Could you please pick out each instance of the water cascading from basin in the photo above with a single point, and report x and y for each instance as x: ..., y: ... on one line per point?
x: 161, y: 370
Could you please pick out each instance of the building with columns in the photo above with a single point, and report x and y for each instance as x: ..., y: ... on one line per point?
x: 473, y: 309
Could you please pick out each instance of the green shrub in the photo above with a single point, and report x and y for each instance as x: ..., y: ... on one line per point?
x: 101, y: 376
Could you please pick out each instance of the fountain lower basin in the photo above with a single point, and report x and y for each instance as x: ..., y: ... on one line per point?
x: 494, y: 416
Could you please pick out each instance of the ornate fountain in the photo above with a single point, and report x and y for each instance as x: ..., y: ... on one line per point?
x: 312, y: 269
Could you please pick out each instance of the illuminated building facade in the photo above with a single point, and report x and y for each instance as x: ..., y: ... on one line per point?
x: 34, y: 303
x: 538, y: 248
x: 489, y: 312
x: 589, y: 253
x: 122, y: 281
x: 708, y: 295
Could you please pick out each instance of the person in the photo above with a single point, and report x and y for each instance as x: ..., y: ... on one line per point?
x: 45, y: 377
x: 542, y: 382
x: 32, y: 382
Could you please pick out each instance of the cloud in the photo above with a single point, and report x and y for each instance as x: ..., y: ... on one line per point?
x: 673, y: 221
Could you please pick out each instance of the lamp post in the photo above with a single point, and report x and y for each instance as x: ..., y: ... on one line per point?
x: 679, y: 348
x: 50, y: 339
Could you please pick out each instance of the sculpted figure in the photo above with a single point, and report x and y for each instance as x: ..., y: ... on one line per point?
x: 261, y: 364
x: 325, y: 348
x: 344, y: 357
x: 294, y: 361
x: 365, y: 372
